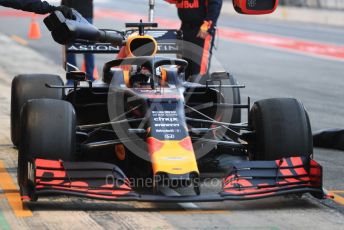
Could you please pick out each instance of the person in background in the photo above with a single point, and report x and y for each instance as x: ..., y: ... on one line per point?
x: 329, y: 139
x: 198, y: 24
x: 85, y: 8
x: 37, y: 6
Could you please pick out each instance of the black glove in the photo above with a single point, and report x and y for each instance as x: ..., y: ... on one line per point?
x: 66, y: 11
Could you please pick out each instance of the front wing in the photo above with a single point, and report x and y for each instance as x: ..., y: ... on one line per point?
x: 247, y: 180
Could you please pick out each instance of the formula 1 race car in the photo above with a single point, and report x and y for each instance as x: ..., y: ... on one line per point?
x: 144, y: 122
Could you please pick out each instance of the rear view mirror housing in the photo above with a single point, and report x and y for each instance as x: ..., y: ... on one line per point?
x: 255, y: 6
x: 76, y: 76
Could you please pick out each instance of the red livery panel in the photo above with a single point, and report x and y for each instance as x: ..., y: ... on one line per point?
x: 92, y: 179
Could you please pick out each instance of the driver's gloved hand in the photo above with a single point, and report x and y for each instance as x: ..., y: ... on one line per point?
x: 66, y: 11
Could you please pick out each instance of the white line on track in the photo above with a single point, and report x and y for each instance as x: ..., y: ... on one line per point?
x: 170, y: 192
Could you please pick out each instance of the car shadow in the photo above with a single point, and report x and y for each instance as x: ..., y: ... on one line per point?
x: 78, y: 204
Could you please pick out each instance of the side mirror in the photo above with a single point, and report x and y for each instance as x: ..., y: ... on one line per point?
x: 76, y: 76
x: 255, y: 6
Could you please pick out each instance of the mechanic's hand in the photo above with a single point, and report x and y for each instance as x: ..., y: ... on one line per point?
x: 66, y: 11
x: 203, y: 31
x: 202, y: 34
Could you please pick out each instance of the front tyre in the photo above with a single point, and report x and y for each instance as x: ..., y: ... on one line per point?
x: 48, y: 131
x: 281, y: 129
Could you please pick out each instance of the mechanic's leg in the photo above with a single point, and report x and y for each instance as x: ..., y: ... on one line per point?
x: 89, y: 62
x: 207, y: 54
x: 198, y: 58
x: 71, y: 59
x: 201, y: 66
x: 191, y: 54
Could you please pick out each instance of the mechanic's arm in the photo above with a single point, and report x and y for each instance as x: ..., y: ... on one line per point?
x: 36, y: 6
x: 214, y: 10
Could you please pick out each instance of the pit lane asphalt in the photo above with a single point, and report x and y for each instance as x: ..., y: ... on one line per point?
x: 266, y: 72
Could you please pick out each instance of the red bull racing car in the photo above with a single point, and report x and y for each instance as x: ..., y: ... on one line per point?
x: 143, y: 127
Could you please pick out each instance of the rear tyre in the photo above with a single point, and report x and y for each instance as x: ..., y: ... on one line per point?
x: 48, y: 131
x: 230, y: 95
x: 282, y: 129
x: 235, y: 93
x: 27, y: 87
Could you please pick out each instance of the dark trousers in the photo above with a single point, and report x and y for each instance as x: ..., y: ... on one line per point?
x: 330, y: 138
x: 199, y: 54
x: 88, y: 58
